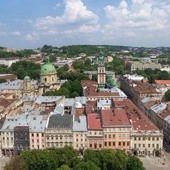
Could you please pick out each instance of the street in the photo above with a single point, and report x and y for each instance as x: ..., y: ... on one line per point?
x: 3, y: 161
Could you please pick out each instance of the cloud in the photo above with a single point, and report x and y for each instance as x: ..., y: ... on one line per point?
x: 140, y: 15
x: 31, y: 37
x: 85, y: 29
x: 75, y: 12
x: 16, y: 33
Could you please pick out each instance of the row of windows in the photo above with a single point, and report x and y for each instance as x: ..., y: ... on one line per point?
x: 147, y: 138
x: 96, y: 133
x: 77, y: 140
x: 114, y: 144
x: 117, y: 129
x: 59, y: 137
x: 58, y: 144
x: 95, y: 145
x: 113, y: 136
x: 37, y: 134
x: 37, y: 140
x: 149, y: 145
x: 81, y: 135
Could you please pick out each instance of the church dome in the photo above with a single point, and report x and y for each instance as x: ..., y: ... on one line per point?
x: 47, y: 68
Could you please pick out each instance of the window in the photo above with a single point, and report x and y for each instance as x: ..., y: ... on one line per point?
x: 157, y: 138
x: 135, y: 146
x: 143, y: 145
x: 37, y: 135
x: 153, y: 145
x: 153, y: 138
x: 113, y: 135
x: 127, y: 143
x: 32, y: 135
x: 149, y: 145
x: 105, y: 136
x: 113, y: 143
x: 139, y: 138
x: 109, y: 143
x: 100, y: 145
x: 134, y: 138
x: 119, y: 143
x: 149, y: 138
x: 123, y: 143
x: 90, y: 145
x: 139, y: 145
x: 105, y: 143
x: 109, y: 136
x: 157, y: 146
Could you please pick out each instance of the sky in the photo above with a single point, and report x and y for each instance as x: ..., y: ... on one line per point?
x: 28, y: 24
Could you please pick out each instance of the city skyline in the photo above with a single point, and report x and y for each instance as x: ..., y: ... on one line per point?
x: 67, y: 22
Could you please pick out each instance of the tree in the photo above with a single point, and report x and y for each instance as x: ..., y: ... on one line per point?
x: 64, y: 167
x: 89, y: 165
x: 134, y: 163
x: 90, y: 155
x: 167, y: 95
x: 2, y: 80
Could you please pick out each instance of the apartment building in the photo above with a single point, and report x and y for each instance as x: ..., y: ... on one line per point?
x: 95, y: 131
x: 134, y: 65
x: 116, y: 129
x: 146, y: 137
x: 58, y: 132
x: 80, y: 132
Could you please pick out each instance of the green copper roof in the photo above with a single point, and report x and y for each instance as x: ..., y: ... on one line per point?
x: 101, y: 56
x: 27, y: 78
x: 47, y: 67
x: 111, y: 82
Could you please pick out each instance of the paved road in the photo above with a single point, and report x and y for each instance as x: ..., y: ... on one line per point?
x: 3, y: 161
x: 155, y: 163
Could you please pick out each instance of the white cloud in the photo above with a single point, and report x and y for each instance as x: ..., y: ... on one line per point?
x: 83, y: 29
x: 16, y: 33
x: 141, y: 15
x: 51, y: 32
x: 31, y: 37
x: 75, y: 12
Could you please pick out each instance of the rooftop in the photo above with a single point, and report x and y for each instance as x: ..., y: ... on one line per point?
x: 162, y: 82
x: 80, y: 123
x: 60, y: 121
x: 94, y: 122
x: 115, y: 117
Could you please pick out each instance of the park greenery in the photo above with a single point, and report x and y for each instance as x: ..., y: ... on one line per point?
x: 167, y: 95
x: 153, y: 75
x: 69, y: 159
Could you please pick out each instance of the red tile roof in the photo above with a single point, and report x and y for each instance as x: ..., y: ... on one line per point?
x: 6, y: 102
x: 94, y: 121
x: 138, y: 119
x: 144, y: 88
x: 114, y: 117
x: 90, y: 89
x: 159, y: 82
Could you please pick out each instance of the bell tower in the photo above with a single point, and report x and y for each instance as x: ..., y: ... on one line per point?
x: 101, y: 71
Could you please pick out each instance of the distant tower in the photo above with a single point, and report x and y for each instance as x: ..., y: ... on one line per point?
x: 27, y: 86
x: 101, y: 71
x: 48, y: 78
x: 48, y: 74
